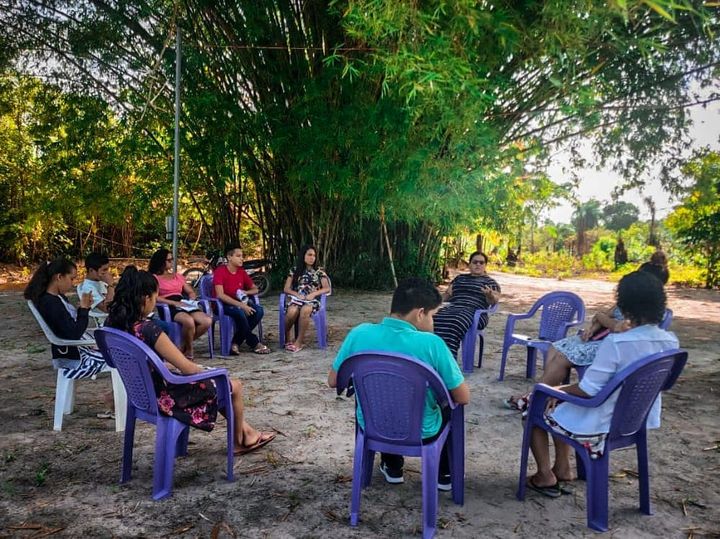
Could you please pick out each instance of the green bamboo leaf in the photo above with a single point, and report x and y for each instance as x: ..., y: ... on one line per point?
x: 655, y: 6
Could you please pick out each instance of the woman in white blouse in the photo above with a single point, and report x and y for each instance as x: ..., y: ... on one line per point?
x: 641, y: 299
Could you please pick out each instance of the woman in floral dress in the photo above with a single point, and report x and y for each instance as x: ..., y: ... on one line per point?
x: 303, y: 288
x: 194, y: 403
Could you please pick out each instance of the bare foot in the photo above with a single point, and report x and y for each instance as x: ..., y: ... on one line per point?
x: 564, y: 474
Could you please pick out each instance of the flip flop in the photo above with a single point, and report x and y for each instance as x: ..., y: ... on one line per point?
x: 261, y: 349
x: 520, y: 404
x: 294, y: 348
x: 108, y: 414
x: 264, y: 439
x: 552, y: 491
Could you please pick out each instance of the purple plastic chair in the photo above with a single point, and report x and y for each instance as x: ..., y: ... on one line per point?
x: 227, y: 324
x: 639, y: 385
x: 391, y: 390
x: 468, y: 342
x: 560, y: 312
x: 319, y: 318
x: 133, y: 359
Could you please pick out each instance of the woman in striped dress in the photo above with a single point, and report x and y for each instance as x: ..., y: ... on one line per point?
x: 466, y: 294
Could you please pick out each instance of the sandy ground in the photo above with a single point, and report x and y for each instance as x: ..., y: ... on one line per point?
x: 66, y: 483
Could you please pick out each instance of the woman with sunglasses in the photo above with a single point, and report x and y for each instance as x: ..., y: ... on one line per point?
x: 172, y: 291
x: 466, y: 293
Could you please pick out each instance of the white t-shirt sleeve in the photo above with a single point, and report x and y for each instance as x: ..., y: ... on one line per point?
x: 602, y: 369
x: 98, y: 289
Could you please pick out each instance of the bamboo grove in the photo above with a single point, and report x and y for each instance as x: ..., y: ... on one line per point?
x: 359, y: 125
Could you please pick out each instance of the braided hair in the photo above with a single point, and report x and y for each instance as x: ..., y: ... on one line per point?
x: 126, y: 308
x: 40, y: 280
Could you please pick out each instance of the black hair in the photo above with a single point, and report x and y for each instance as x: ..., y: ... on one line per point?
x: 473, y: 255
x: 414, y: 293
x: 43, y: 275
x: 657, y: 270
x: 641, y: 298
x: 126, y: 308
x: 156, y: 266
x: 230, y: 247
x: 300, y: 263
x: 96, y: 260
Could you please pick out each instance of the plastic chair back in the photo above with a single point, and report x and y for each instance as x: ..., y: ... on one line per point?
x: 132, y: 358
x: 391, y: 389
x: 559, y: 309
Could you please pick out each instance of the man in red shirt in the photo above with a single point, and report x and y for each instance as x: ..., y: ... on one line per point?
x: 233, y: 286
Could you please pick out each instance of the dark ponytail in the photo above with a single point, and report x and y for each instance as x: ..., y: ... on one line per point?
x: 126, y: 308
x: 40, y: 280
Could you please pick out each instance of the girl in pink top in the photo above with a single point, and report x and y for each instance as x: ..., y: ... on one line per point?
x: 171, y: 288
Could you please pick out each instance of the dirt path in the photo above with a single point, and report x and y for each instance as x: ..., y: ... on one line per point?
x: 299, y: 486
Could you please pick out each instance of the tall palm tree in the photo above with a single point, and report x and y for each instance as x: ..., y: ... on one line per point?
x: 652, y: 237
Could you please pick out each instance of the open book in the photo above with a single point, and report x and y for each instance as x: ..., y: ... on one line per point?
x: 189, y: 305
x: 297, y: 301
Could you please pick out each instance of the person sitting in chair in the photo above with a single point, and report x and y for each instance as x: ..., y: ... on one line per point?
x: 194, y: 403
x: 98, y: 281
x: 303, y: 288
x: 409, y: 330
x: 641, y: 299
x: 234, y: 287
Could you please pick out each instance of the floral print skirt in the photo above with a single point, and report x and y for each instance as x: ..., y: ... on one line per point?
x: 194, y: 404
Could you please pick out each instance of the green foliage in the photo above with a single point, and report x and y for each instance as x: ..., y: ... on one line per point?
x: 620, y: 215
x: 317, y: 121
x: 697, y: 221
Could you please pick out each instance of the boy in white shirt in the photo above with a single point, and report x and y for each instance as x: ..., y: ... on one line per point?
x: 98, y: 281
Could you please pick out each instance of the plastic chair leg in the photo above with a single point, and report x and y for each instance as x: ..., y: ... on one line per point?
x: 503, y: 359
x: 211, y: 339
x: 358, y: 462
x: 166, y: 438
x: 321, y: 330
x: 481, y: 347
x: 597, y: 494
x: 531, y: 360
x: 120, y: 399
x: 468, y: 350
x: 129, y: 442
x: 643, y: 472
x: 63, y: 389
x: 430, y: 466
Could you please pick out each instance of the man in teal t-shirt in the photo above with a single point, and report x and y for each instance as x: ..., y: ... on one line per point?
x: 408, y: 330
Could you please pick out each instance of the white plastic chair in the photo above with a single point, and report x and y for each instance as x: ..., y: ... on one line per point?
x: 65, y: 388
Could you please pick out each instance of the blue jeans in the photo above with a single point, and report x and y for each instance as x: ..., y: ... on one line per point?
x: 244, y: 324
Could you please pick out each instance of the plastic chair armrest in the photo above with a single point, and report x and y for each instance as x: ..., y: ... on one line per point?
x: 76, y: 342
x: 199, y: 377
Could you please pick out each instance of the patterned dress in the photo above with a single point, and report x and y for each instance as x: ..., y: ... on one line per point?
x: 452, y: 322
x: 579, y: 352
x: 310, y: 281
x: 194, y: 403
